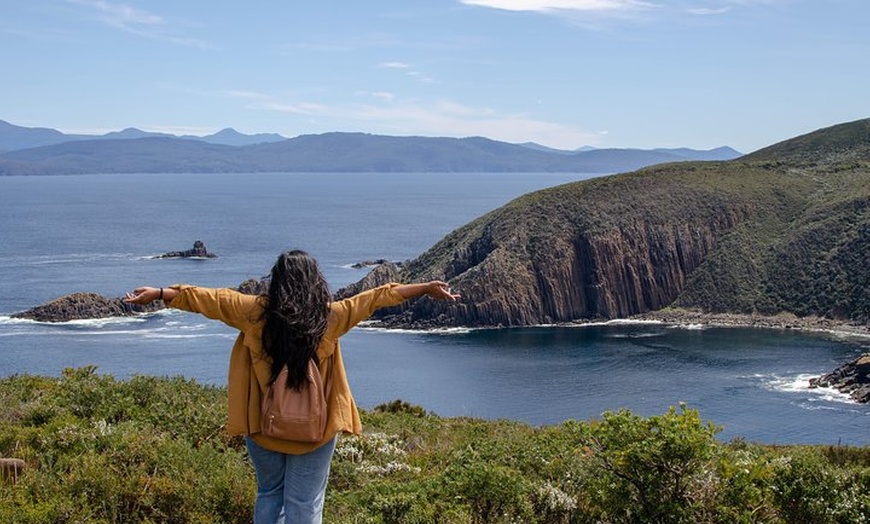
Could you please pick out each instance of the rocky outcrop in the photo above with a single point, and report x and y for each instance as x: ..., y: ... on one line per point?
x: 852, y: 378
x: 198, y: 251
x: 373, y: 263
x: 78, y: 306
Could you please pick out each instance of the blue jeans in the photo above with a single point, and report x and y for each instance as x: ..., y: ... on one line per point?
x: 290, y: 488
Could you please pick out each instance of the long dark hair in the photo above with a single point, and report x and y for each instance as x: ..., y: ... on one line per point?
x: 295, y: 315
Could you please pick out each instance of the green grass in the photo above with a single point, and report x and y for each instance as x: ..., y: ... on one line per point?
x: 153, y: 450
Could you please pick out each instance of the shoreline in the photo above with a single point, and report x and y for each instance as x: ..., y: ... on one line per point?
x: 686, y: 317
x: 673, y: 316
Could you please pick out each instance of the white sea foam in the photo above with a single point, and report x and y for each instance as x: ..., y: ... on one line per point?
x: 169, y: 335
x: 74, y: 258
x: 634, y: 335
x: 84, y: 322
x: 159, y: 256
x: 800, y: 384
x: 137, y: 318
x: 370, y: 326
x: 614, y: 322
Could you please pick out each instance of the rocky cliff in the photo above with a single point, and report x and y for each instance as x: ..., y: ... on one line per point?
x: 765, y: 235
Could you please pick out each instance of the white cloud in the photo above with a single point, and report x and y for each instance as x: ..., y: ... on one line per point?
x: 381, y: 95
x: 394, y: 65
x: 121, y: 15
x: 250, y: 95
x: 448, y: 118
x: 384, y: 113
x: 136, y: 21
x: 703, y: 11
x: 298, y: 108
x: 547, y: 6
x: 416, y: 75
x: 420, y: 77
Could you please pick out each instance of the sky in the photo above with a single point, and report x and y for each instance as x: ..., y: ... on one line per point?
x: 561, y: 73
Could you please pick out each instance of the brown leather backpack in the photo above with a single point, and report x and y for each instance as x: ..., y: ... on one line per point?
x: 297, y: 415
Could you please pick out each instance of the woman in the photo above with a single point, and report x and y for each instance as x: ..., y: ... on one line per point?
x: 295, y: 322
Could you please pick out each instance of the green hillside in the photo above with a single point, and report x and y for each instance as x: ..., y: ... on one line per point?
x: 786, y: 229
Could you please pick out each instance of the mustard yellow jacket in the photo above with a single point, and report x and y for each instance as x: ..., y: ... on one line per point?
x: 250, y: 368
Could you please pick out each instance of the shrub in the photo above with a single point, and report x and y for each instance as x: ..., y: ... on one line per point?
x: 100, y: 450
x: 807, y: 490
x: 650, y: 470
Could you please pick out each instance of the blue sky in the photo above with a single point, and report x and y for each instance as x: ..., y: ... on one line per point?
x: 563, y: 73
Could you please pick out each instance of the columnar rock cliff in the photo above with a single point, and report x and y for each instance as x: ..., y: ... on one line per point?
x: 756, y: 235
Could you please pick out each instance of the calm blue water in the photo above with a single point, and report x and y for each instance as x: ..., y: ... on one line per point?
x: 96, y: 233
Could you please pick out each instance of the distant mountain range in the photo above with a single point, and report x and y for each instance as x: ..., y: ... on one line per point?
x: 14, y: 137
x: 40, y: 151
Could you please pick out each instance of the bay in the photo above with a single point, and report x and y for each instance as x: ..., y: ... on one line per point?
x: 98, y: 232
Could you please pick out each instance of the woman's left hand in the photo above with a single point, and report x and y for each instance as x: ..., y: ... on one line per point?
x: 441, y: 291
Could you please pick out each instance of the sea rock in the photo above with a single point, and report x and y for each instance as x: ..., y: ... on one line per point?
x: 198, y: 251
x: 852, y: 378
x: 78, y: 306
x: 369, y: 263
x: 254, y: 286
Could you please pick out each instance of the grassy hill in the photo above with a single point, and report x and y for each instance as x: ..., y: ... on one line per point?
x: 786, y: 229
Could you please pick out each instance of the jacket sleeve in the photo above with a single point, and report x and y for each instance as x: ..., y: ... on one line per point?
x: 235, y: 309
x: 351, y: 311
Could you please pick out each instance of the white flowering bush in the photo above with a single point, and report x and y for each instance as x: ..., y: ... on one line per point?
x: 374, y: 453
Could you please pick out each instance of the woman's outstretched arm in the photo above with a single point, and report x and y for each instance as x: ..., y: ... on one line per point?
x: 434, y: 289
x: 145, y: 295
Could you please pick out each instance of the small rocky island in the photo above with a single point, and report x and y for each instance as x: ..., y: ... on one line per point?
x: 369, y: 263
x: 198, y: 251
x: 852, y: 378
x: 78, y: 306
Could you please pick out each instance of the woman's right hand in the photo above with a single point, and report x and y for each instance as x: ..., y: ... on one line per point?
x: 142, y: 295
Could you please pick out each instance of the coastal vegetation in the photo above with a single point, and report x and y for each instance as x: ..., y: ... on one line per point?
x: 152, y: 449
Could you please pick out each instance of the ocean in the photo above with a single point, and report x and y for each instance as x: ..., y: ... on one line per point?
x: 99, y: 233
